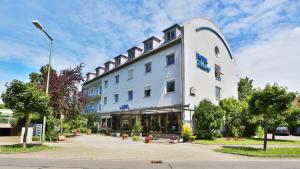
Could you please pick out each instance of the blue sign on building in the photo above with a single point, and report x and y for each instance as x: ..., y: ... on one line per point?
x: 124, y: 107
x: 202, y: 62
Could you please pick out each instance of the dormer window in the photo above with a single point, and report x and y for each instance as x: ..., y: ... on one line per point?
x: 148, y: 46
x: 170, y: 35
x: 150, y: 43
x: 172, y: 32
x: 118, y: 61
x: 106, y: 67
x: 131, y: 55
x: 134, y: 52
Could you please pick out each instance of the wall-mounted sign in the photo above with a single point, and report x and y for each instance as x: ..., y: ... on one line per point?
x: 202, y: 62
x: 124, y: 107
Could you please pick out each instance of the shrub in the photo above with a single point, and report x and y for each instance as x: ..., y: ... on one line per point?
x: 135, y: 138
x: 208, y: 119
x: 35, y: 138
x: 259, y: 132
x: 137, y: 128
x: 186, y: 132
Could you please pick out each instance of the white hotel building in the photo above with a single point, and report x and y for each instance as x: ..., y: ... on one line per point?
x: 162, y: 82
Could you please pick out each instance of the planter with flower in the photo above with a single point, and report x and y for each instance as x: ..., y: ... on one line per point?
x: 148, y: 139
x: 124, y: 136
x: 174, y: 139
x: 186, y: 132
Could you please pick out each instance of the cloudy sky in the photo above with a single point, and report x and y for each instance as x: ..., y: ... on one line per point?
x: 264, y: 35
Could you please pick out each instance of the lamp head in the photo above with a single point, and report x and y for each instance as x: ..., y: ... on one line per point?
x: 37, y: 25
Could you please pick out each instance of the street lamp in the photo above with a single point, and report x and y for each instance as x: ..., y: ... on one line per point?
x: 40, y: 27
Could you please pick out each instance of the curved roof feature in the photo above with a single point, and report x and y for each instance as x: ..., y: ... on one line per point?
x: 202, y: 28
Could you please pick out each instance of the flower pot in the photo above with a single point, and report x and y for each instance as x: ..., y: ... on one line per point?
x: 61, y: 138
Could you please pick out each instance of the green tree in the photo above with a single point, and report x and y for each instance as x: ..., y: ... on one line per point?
x: 234, y: 111
x: 2, y: 106
x: 245, y: 88
x: 208, y: 118
x: 293, y: 115
x: 25, y: 98
x: 270, y: 102
x: 137, y: 128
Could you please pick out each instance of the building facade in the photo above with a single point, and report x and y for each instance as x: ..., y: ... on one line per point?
x: 161, y: 82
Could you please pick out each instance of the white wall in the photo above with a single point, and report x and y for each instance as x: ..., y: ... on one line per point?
x: 204, y: 43
x: 156, y: 79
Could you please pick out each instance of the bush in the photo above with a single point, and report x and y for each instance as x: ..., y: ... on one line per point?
x: 137, y: 128
x: 35, y: 138
x: 208, y: 119
x: 259, y: 132
x: 135, y: 138
x: 52, y: 128
x: 186, y: 132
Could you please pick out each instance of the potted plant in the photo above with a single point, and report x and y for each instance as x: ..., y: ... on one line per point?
x: 186, y: 132
x: 174, y: 139
x: 137, y: 128
x: 76, y: 132
x: 89, y: 132
x: 61, y: 137
x: 148, y: 139
x: 124, y: 136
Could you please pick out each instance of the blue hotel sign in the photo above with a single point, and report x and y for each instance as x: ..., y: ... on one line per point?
x: 202, y: 62
x: 124, y: 107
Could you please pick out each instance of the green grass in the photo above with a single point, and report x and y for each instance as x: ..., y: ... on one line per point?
x: 17, y: 148
x: 258, y: 152
x: 246, y: 141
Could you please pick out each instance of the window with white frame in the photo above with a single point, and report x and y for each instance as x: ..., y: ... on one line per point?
x: 147, y: 91
x: 148, y: 46
x: 170, y: 86
x: 218, y: 72
x: 130, y: 74
x: 170, y: 59
x: 218, y: 91
x: 130, y: 94
x: 170, y: 35
x: 117, y: 78
x: 116, y: 98
x: 105, y: 83
x: 131, y: 54
x: 105, y: 100
x: 148, y: 67
x: 118, y: 61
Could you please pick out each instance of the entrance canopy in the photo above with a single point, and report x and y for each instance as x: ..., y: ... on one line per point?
x: 149, y: 110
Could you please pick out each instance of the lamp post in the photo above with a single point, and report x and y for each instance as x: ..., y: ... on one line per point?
x: 40, y: 27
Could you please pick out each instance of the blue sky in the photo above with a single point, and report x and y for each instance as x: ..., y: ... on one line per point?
x: 264, y: 35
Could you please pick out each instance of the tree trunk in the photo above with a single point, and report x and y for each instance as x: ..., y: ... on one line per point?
x: 273, y: 133
x: 265, y: 133
x: 26, y: 130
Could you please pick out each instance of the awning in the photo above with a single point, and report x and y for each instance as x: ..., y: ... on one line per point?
x: 148, y: 110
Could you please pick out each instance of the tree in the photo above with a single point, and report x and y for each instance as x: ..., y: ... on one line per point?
x: 234, y: 111
x: 270, y: 102
x: 25, y: 98
x: 208, y: 118
x: 65, y: 97
x: 293, y: 115
x: 245, y: 88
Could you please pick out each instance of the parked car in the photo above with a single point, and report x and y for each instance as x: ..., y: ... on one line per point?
x: 298, y: 131
x: 282, y: 130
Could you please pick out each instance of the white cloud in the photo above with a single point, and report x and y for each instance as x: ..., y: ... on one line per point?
x: 275, y: 59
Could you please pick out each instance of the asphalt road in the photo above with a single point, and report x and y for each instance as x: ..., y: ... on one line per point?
x: 26, y: 163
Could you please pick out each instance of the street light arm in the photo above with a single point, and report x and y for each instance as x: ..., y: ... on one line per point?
x: 47, y: 35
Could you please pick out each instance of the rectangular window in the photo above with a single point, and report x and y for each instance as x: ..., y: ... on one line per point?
x: 116, y: 98
x: 148, y: 46
x: 148, y: 67
x: 130, y: 94
x: 104, y: 100
x: 105, y: 83
x: 170, y: 35
x: 170, y: 86
x: 99, y: 90
x: 106, y: 67
x: 147, y: 91
x: 118, y: 61
x: 170, y: 59
x: 117, y: 77
x: 218, y: 93
x: 218, y: 72
x: 131, y: 54
x: 130, y: 74
x: 99, y: 107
